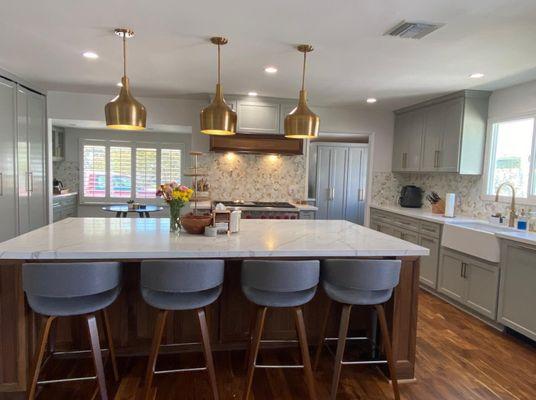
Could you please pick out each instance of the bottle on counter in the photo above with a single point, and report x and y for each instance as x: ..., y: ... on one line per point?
x: 522, y: 221
x: 531, y: 221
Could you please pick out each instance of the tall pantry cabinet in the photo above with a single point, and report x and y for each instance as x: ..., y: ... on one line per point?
x: 23, y: 185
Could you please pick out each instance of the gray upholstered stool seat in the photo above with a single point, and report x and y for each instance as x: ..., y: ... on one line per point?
x: 279, y: 284
x: 174, y: 285
x: 359, y: 283
x: 70, y: 289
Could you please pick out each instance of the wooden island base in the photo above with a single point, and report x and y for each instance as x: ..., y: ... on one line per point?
x: 133, y: 321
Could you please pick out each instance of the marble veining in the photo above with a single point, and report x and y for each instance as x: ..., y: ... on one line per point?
x: 135, y: 238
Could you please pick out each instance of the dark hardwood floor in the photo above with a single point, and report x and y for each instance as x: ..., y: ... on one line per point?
x: 458, y: 358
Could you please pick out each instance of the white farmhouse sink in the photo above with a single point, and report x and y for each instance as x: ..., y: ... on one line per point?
x: 474, y: 238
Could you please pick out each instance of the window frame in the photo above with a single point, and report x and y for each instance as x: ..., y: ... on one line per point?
x: 107, y: 143
x: 491, y: 142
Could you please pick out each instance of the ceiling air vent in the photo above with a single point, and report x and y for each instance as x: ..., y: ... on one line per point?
x: 413, y: 30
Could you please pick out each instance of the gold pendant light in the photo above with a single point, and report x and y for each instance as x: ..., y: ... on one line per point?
x: 218, y: 118
x: 302, y: 123
x: 124, y: 112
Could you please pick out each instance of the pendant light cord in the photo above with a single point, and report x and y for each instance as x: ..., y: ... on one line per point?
x: 219, y: 56
x: 124, y: 54
x: 303, y: 72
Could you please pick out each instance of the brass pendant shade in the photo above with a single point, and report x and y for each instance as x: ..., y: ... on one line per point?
x: 218, y: 118
x: 302, y: 123
x: 124, y: 112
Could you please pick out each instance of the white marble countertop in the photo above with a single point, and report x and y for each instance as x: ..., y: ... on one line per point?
x: 423, y: 214
x: 142, y: 238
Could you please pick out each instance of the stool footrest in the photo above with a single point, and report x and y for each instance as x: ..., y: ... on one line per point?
x: 64, y: 380
x: 364, y: 362
x: 172, y: 371
x: 277, y: 366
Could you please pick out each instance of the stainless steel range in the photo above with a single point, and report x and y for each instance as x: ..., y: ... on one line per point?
x: 263, y: 209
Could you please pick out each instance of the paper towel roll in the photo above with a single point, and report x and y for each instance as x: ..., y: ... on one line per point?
x: 450, y: 203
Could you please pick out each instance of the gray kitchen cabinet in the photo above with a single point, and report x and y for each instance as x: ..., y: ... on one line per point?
x: 517, y: 294
x: 453, y: 130
x: 407, y: 141
x: 340, y: 181
x: 429, y: 264
x: 58, y: 143
x: 470, y: 281
x: 31, y: 136
x: 259, y: 117
x: 8, y: 201
x: 64, y: 207
x: 451, y: 280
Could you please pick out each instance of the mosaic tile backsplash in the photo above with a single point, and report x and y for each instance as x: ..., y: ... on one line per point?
x: 255, y: 177
x: 386, y: 188
x: 68, y: 173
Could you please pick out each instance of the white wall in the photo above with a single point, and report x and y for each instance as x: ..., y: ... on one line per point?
x: 513, y: 101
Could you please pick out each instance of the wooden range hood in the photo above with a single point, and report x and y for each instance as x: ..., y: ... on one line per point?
x: 256, y: 144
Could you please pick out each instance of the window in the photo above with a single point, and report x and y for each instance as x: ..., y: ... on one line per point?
x: 114, y: 171
x: 512, y: 157
x: 145, y: 173
x: 120, y: 172
x: 94, y: 171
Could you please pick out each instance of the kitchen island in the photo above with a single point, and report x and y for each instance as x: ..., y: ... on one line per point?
x: 132, y: 240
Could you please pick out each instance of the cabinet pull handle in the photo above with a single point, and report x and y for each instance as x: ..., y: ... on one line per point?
x: 436, y: 159
x: 404, y: 160
x: 30, y: 182
x: 332, y: 193
x: 1, y: 183
x: 360, y: 195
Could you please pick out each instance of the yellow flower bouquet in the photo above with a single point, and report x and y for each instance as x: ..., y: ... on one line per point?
x: 176, y: 196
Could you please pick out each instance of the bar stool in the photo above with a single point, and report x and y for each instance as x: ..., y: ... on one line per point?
x: 67, y: 290
x: 279, y: 284
x: 173, y: 285
x: 359, y: 282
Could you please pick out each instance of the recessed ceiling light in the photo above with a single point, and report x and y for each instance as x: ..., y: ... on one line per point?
x: 90, y: 54
x: 253, y: 94
x: 476, y: 75
x: 270, y: 69
x: 371, y: 100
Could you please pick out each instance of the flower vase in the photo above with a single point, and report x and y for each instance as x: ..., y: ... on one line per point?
x: 174, y: 217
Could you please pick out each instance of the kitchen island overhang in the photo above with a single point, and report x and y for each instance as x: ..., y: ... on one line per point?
x: 133, y: 240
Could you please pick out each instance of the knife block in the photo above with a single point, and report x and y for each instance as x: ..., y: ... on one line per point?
x: 439, y: 207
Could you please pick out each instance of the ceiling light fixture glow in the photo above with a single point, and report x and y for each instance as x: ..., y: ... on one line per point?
x: 90, y: 54
x: 253, y: 94
x: 270, y: 69
x: 476, y: 75
x: 371, y: 100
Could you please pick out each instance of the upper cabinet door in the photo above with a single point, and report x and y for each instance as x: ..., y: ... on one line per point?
x: 448, y: 159
x: 402, y: 127
x: 8, y: 227
x: 413, y: 138
x: 434, y: 123
x: 258, y: 117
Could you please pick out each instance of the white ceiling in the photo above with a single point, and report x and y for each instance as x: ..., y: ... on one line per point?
x: 42, y: 41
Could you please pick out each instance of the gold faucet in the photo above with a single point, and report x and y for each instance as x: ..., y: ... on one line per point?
x: 513, y: 215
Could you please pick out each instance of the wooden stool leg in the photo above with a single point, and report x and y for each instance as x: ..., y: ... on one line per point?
x: 322, y: 335
x: 252, y: 322
x: 302, y: 338
x: 208, y: 352
x: 157, y: 339
x: 388, y: 349
x: 39, y: 357
x: 110, y: 341
x: 341, y: 344
x: 97, y: 355
x: 254, y: 349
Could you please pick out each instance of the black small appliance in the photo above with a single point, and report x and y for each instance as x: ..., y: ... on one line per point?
x: 411, y: 196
